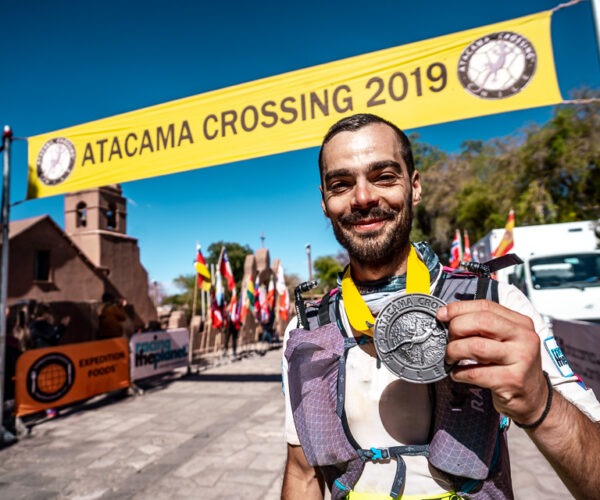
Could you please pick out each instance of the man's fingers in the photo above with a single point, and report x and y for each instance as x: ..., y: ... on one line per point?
x: 485, y: 324
x: 462, y: 307
x: 482, y: 350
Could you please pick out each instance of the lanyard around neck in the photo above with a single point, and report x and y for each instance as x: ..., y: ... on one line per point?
x: 359, y: 315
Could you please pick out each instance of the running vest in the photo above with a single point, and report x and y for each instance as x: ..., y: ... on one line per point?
x: 468, y: 437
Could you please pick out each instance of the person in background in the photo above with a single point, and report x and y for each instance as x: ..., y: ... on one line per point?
x: 43, y: 331
x: 232, y: 332
x: 111, y: 316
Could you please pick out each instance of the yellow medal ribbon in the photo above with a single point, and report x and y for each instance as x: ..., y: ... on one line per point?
x: 359, y: 315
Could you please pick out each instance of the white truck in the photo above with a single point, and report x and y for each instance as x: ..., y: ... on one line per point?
x: 561, y: 267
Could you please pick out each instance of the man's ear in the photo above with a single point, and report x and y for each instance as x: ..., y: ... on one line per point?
x: 416, y: 188
x: 323, y: 206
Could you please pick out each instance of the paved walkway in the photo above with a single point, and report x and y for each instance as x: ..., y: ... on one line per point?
x: 213, y: 435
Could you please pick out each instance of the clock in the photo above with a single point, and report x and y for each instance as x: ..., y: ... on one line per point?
x: 55, y: 161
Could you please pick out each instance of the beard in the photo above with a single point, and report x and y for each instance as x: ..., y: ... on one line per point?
x: 378, y: 247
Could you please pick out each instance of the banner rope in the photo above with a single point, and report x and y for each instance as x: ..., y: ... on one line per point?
x: 566, y: 4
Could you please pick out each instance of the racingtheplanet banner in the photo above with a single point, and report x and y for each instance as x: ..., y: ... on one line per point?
x: 158, y: 352
x: 492, y: 69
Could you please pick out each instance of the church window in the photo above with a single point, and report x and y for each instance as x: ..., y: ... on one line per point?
x: 42, y: 265
x: 81, y: 214
x: 111, y: 216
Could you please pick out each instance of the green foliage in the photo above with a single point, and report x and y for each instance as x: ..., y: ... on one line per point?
x: 547, y: 174
x: 326, y: 271
x: 237, y: 256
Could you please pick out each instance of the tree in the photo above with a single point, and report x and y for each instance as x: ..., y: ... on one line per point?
x: 237, y: 256
x: 326, y: 271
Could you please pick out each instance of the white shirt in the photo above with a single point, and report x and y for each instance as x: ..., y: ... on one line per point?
x: 384, y: 411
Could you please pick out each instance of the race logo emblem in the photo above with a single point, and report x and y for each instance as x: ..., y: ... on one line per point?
x: 498, y: 65
x: 410, y: 341
x: 50, y: 377
x: 55, y: 161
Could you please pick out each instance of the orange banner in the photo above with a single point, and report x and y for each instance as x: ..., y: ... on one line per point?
x: 55, y: 376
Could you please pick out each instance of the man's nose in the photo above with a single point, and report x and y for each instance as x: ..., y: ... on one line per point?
x: 364, y: 195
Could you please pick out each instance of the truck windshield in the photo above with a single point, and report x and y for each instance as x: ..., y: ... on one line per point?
x: 563, y: 271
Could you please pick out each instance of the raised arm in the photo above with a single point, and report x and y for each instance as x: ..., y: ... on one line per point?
x: 507, y: 351
x: 300, y: 480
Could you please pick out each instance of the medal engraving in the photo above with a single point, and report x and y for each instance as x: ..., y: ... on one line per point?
x: 410, y: 341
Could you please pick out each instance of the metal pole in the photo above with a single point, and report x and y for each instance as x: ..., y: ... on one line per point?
x: 310, y: 275
x: 596, y: 13
x: 6, y: 141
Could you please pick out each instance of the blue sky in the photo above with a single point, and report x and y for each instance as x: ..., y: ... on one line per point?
x: 69, y: 62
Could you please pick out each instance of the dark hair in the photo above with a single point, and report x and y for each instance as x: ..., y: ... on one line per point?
x: 40, y: 309
x: 358, y: 121
x: 108, y: 297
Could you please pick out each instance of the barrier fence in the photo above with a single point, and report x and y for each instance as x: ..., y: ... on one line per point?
x: 52, y: 377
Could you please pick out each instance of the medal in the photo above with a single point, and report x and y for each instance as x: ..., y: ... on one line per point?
x: 408, y: 338
x: 410, y: 341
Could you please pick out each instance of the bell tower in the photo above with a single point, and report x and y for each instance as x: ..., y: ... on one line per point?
x: 96, y: 221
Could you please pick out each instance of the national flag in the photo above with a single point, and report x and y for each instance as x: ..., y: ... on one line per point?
x: 280, y: 280
x: 507, y: 242
x: 226, y: 271
x: 219, y: 292
x: 467, y: 256
x: 233, y: 307
x: 455, y: 251
x: 257, y: 299
x: 284, y: 305
x: 202, y: 270
x: 271, y: 293
x: 250, y: 293
x: 245, y: 304
x: 215, y: 313
x: 264, y: 304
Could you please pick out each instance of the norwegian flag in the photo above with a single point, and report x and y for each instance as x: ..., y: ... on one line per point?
x: 455, y: 251
x: 467, y: 256
x: 226, y: 271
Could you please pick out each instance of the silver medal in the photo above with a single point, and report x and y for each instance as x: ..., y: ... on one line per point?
x: 410, y: 341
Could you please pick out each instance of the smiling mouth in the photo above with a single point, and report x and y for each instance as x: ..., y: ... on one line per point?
x: 368, y: 224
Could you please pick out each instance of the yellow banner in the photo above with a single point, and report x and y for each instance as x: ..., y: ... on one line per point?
x: 492, y: 69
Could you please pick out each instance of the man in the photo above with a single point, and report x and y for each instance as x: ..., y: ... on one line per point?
x: 43, y: 331
x: 369, y: 188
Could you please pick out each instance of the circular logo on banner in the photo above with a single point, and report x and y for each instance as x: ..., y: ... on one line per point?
x: 55, y: 161
x: 50, y: 377
x: 498, y: 65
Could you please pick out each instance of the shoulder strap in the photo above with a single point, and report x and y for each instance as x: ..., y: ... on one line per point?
x: 483, y: 284
x: 324, y: 317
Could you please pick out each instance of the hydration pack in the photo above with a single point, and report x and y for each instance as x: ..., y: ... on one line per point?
x: 468, y: 437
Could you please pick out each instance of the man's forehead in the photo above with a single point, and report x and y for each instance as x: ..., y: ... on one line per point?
x: 374, y: 142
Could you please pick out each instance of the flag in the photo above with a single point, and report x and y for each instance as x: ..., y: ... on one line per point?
x: 250, y: 293
x: 215, y: 313
x: 264, y: 304
x: 226, y: 271
x: 219, y: 292
x: 233, y: 307
x: 467, y: 256
x: 202, y: 270
x: 284, y: 305
x: 507, y: 241
x: 271, y: 293
x: 280, y: 280
x: 455, y: 251
x: 245, y: 305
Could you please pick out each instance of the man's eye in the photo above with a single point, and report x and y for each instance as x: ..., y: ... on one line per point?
x: 386, y: 178
x: 338, y: 186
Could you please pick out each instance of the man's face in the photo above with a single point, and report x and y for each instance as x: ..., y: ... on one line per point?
x: 367, y: 193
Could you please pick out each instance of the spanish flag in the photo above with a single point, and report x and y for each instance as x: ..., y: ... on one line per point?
x: 507, y: 241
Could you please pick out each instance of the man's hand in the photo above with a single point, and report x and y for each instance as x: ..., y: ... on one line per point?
x: 300, y: 480
x: 506, y: 351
